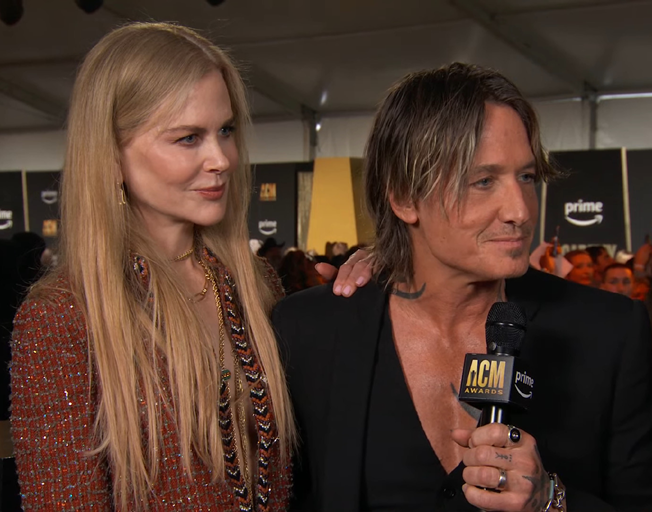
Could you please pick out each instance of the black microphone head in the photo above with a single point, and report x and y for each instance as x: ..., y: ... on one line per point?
x: 505, y: 328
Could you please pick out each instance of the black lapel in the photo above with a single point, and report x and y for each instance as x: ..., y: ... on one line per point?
x: 524, y: 290
x: 359, y: 322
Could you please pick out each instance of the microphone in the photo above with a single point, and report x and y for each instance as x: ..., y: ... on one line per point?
x: 498, y: 381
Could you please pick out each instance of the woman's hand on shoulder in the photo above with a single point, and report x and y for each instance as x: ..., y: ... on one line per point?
x: 353, y: 274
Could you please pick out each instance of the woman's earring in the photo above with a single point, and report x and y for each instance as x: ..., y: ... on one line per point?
x: 122, y: 200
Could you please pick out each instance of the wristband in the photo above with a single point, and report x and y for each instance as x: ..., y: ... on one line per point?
x: 556, y: 495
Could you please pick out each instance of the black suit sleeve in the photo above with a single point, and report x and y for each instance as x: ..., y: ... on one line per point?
x: 286, y: 327
x: 629, y: 479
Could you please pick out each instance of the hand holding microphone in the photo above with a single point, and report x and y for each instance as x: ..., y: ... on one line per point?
x: 501, y: 457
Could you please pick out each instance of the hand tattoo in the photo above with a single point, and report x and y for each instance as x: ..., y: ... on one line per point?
x: 507, y: 457
x: 540, y: 482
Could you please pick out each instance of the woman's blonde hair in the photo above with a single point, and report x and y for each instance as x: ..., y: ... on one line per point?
x: 124, y: 81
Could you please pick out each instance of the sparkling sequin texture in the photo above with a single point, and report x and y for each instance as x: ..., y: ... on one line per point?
x: 53, y: 411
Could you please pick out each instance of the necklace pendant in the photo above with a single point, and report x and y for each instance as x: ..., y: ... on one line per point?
x: 226, y: 374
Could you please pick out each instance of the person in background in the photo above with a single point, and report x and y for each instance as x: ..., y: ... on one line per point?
x: 339, y: 254
x: 601, y: 260
x: 582, y: 271
x: 618, y: 278
x: 33, y: 259
x: 272, y: 251
x: 642, y: 263
x: 297, y: 272
x: 641, y: 289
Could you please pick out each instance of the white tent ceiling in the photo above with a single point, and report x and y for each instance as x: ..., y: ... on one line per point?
x: 328, y: 57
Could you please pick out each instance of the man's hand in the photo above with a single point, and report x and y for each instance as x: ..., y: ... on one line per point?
x: 353, y: 274
x: 490, y: 450
x: 641, y: 259
x: 547, y: 261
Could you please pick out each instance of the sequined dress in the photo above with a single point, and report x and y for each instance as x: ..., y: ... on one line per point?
x: 53, y: 412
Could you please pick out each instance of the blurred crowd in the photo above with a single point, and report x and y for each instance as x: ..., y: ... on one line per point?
x: 295, y: 267
x: 625, y: 273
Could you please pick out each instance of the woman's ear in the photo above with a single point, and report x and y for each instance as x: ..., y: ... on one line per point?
x: 404, y: 209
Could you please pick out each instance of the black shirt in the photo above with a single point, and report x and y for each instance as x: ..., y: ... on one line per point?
x: 401, y: 471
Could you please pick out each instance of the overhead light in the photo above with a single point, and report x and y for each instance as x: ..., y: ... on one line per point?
x: 625, y: 96
x: 318, y: 126
x: 89, y: 6
x: 215, y: 3
x: 11, y: 11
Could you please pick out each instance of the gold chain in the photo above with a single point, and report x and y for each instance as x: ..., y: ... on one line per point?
x: 238, y: 404
x: 185, y: 255
x: 199, y: 296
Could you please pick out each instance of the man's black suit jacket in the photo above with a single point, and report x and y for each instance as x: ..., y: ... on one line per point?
x: 591, y: 355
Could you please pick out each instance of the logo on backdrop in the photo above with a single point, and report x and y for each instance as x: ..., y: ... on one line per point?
x: 268, y: 191
x: 584, y: 207
x: 6, y: 219
x: 50, y: 227
x: 267, y: 227
x: 49, y: 196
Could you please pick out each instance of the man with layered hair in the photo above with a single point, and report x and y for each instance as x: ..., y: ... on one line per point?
x: 451, y: 166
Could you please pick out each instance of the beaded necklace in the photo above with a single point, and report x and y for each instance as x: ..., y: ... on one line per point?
x: 240, y: 453
x: 266, y: 430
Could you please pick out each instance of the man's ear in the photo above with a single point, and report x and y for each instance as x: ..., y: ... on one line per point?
x: 404, y: 209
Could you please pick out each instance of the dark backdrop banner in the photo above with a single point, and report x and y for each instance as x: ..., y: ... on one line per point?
x: 43, y: 204
x: 639, y: 170
x: 273, y: 210
x: 588, y: 205
x: 12, y: 216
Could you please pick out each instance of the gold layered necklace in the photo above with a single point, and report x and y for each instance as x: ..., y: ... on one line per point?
x: 185, y: 255
x: 199, y: 295
x: 237, y: 398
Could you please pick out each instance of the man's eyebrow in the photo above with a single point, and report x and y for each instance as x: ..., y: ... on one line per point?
x: 496, y: 168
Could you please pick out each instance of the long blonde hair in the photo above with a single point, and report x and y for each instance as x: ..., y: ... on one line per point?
x: 123, y: 82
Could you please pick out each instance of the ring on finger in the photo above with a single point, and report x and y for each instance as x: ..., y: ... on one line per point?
x: 502, y: 480
x: 514, y: 434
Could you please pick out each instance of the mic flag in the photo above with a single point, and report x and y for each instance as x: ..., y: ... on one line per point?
x: 498, y: 380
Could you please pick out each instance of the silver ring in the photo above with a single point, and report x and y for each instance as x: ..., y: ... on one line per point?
x: 502, y: 481
x: 514, y: 434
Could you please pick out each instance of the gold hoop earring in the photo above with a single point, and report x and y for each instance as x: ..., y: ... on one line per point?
x: 122, y: 200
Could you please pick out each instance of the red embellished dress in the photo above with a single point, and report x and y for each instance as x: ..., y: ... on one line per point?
x: 54, y: 410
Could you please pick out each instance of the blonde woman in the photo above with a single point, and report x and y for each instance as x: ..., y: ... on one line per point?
x: 145, y: 371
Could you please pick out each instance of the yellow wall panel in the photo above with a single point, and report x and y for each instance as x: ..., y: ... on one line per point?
x: 336, y: 213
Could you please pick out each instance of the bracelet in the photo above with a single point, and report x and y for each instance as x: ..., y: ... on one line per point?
x: 556, y: 495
